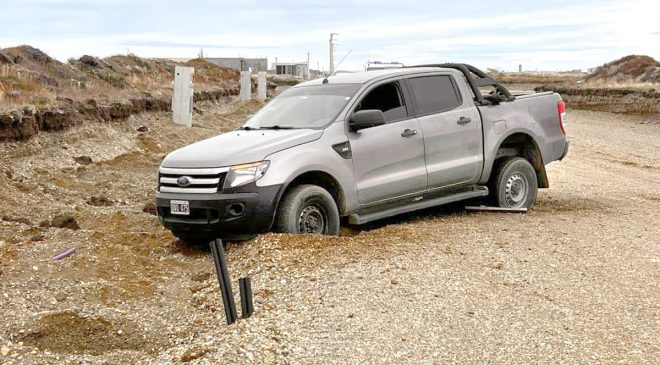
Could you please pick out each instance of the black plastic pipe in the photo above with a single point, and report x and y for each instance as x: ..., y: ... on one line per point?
x: 247, y: 308
x: 225, y: 281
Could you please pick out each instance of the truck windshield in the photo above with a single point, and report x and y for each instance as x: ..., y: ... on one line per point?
x: 303, y: 107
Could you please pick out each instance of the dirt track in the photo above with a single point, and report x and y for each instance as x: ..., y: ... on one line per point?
x: 574, y: 281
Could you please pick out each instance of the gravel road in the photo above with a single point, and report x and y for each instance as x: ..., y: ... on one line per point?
x: 573, y: 281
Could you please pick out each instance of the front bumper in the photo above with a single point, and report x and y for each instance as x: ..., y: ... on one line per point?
x: 218, y: 214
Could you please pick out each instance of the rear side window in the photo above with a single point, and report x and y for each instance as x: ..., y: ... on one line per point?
x: 434, y: 94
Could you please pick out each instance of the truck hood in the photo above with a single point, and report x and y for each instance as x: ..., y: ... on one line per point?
x: 238, y: 147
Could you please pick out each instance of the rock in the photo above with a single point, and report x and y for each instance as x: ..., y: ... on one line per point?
x: 150, y: 208
x: 17, y: 126
x: 143, y: 129
x: 83, y: 160
x: 29, y: 110
x: 89, y: 61
x: 44, y: 223
x: 99, y: 201
x: 120, y: 110
x: 5, y: 351
x: 17, y: 220
x: 65, y: 221
x: 54, y: 120
x: 37, y: 237
x: 6, y: 120
x: 4, y: 59
x: 200, y: 276
x: 27, y: 127
x: 193, y: 353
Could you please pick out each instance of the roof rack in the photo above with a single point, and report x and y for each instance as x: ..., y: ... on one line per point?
x: 476, y: 79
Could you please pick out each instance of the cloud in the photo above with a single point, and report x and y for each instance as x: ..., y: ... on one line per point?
x: 167, y: 44
x: 562, y: 34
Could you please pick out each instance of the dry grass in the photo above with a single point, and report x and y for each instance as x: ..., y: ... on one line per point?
x: 628, y: 69
x: 30, y: 77
x: 536, y: 77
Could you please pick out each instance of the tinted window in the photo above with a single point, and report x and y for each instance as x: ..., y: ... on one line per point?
x: 433, y: 94
x: 386, y: 98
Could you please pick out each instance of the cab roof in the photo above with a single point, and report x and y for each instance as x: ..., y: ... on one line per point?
x: 364, y: 77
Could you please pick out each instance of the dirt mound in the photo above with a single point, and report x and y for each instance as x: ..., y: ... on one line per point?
x: 206, y: 71
x: 616, y: 100
x: 69, y: 332
x: 128, y: 72
x: 37, y: 66
x: 30, y: 76
x: 629, y: 68
x: 23, y: 124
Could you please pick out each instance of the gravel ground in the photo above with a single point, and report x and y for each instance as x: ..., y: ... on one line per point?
x: 573, y: 281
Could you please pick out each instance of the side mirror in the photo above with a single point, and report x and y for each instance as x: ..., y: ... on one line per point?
x: 366, y: 119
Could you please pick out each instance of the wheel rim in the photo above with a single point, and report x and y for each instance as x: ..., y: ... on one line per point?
x: 312, y: 220
x: 516, y: 190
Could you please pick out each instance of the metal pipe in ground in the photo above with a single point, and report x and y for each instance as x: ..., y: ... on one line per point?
x: 225, y: 281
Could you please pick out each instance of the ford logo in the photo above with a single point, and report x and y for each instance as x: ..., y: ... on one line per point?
x: 183, y: 181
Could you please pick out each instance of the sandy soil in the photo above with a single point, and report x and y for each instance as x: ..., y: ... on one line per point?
x: 573, y: 281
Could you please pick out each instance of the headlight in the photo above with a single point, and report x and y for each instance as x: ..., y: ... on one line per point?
x: 244, y: 174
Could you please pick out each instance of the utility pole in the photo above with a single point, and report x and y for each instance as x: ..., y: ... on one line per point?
x: 307, y: 78
x: 332, y: 52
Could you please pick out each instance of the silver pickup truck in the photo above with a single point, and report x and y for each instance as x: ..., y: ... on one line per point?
x: 364, y: 146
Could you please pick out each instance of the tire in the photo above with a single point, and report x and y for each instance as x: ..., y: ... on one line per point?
x: 308, y: 209
x: 515, y: 184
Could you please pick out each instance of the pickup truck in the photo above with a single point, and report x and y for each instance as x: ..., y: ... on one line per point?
x: 362, y: 147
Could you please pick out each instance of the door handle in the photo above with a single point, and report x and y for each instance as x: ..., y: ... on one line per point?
x: 463, y: 121
x: 408, y: 132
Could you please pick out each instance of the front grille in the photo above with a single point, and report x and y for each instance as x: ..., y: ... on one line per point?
x: 199, y: 181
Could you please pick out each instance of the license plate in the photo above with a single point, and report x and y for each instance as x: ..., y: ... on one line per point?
x: 180, y: 207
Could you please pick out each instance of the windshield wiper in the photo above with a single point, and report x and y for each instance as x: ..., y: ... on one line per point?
x: 277, y: 127
x: 247, y: 128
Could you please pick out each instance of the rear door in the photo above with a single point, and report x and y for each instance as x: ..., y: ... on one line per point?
x: 452, y: 130
x: 388, y: 160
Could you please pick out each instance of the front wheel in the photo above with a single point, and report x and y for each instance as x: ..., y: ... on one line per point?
x: 514, y: 184
x: 308, y: 209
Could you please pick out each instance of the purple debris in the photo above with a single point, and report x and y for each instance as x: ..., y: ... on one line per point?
x: 64, y: 254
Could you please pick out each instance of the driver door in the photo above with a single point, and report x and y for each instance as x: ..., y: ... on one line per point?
x: 388, y: 160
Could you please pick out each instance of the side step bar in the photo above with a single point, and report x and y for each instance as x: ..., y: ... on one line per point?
x: 417, y: 203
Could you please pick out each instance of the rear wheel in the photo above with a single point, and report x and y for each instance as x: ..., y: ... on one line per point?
x: 515, y: 184
x: 308, y: 209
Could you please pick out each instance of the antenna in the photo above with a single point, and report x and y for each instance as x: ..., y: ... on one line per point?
x: 325, y: 79
x: 342, y: 60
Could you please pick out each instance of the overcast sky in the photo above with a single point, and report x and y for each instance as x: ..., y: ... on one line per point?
x: 540, y: 35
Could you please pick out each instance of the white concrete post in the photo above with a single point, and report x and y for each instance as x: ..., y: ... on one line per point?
x: 246, y: 86
x: 261, y: 86
x: 182, y: 100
